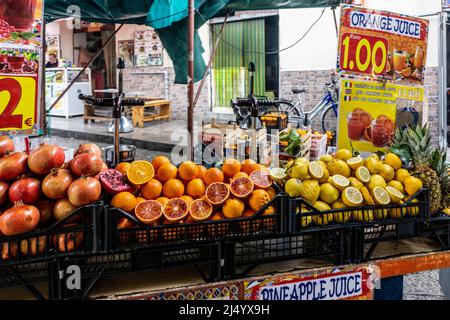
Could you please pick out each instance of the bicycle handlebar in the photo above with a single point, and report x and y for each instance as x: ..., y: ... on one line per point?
x: 109, y: 102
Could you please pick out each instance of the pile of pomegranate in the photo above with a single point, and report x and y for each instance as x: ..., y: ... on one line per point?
x: 5, y: 29
x: 41, y: 188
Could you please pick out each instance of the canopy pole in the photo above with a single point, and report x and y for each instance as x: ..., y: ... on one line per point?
x: 211, y: 59
x: 84, y: 69
x: 43, y: 113
x: 335, y: 21
x: 190, y: 116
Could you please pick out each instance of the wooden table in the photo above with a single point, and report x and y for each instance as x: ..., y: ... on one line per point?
x: 141, y: 115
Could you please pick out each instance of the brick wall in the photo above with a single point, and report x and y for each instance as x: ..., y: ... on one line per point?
x: 431, y: 85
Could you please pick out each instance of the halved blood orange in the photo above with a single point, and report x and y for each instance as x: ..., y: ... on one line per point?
x: 200, y: 210
x: 241, y: 187
x: 149, y: 212
x: 261, y: 179
x: 217, y: 193
x: 176, y: 209
x: 140, y: 172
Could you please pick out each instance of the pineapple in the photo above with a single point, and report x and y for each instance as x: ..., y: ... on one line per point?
x: 439, y: 164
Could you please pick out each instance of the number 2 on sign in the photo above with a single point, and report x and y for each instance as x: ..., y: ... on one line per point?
x: 365, y: 54
x: 7, y: 118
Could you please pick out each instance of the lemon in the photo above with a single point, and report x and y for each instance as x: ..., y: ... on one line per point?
x: 355, y: 162
x: 306, y: 221
x: 293, y: 187
x: 322, y: 219
x: 395, y: 195
x: 362, y: 215
x: 326, y: 174
x: 397, y: 185
x: 368, y: 200
x: 397, y: 213
x: 339, y: 182
x: 328, y: 193
x: 302, y: 160
x: 277, y: 174
x: 310, y: 191
x: 376, y: 181
x: 343, y: 154
x: 380, y: 213
x: 387, y: 172
x: 315, y: 170
x: 354, y: 182
x: 321, y: 206
x: 299, y: 171
x: 393, y: 160
x: 374, y: 155
x: 339, y: 167
x: 326, y: 158
x: 363, y: 174
x: 381, y: 196
x: 412, y: 185
x: 401, y: 174
x: 413, y: 211
x: 446, y: 211
x: 352, y: 197
x: 342, y: 216
x: 373, y: 165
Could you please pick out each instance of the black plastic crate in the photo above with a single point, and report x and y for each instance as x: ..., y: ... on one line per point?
x: 143, y: 236
x: 303, y: 216
x: 240, y: 257
x: 437, y: 228
x: 60, y: 239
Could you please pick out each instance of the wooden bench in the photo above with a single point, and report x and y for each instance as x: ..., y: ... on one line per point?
x: 141, y: 114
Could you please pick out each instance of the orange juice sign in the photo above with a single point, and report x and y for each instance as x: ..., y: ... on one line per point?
x: 380, y: 44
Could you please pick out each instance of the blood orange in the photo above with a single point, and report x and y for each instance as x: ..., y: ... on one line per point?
x: 261, y: 179
x: 176, y: 209
x: 200, y: 210
x: 241, y: 187
x: 217, y: 193
x: 149, y: 212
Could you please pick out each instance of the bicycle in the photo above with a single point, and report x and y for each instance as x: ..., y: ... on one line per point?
x: 327, y: 108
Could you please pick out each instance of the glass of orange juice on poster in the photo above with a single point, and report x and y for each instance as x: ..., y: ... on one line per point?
x: 355, y: 126
x: 399, y: 60
x: 418, y: 57
x: 379, y: 134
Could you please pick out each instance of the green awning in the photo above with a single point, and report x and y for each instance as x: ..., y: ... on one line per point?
x: 169, y: 17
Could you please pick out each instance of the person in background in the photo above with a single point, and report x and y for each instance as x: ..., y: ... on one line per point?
x: 52, y: 61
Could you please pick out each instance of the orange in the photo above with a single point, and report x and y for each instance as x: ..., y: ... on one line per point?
x: 123, y: 167
x: 262, y: 167
x: 258, y: 199
x: 217, y: 193
x: 231, y: 167
x: 159, y: 161
x: 272, y: 193
x: 248, y: 166
x: 212, y: 228
x: 241, y: 187
x: 201, y: 171
x: 261, y: 179
x: 245, y: 225
x: 163, y: 200
x: 124, y: 200
x: 149, y: 212
x: 269, y: 210
x: 173, y: 188
x: 140, y: 172
x: 167, y: 172
x: 124, y: 223
x: 151, y: 190
x: 196, y: 188
x: 139, y: 200
x: 248, y: 213
x: 200, y: 210
x: 233, y: 208
x: 240, y: 174
x: 176, y: 209
x: 213, y: 175
x: 188, y: 199
x: 188, y: 170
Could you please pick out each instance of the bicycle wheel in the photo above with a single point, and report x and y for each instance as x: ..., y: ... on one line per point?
x: 289, y: 108
x: 329, y: 120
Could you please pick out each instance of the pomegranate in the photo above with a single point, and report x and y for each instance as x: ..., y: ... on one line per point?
x: 62, y: 209
x: 88, y: 148
x: 113, y: 181
x: 33, y: 246
x: 65, y: 242
x: 6, y: 146
x: 21, y: 218
x: 3, y: 193
x: 13, y: 166
x: 27, y: 190
x: 45, y: 158
x: 56, y: 183
x: 46, y: 210
x: 83, y: 191
x: 86, y: 164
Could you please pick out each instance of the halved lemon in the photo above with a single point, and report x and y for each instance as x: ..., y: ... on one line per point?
x: 355, y: 162
x: 363, y: 174
x: 395, y: 195
x: 340, y: 182
x: 315, y: 170
x: 352, y: 197
x: 278, y: 174
x: 381, y: 196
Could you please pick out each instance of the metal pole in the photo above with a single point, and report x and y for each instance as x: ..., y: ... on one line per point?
x: 211, y: 59
x: 84, y: 69
x: 191, y: 13
x: 335, y: 22
x: 443, y: 78
x: 43, y: 114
